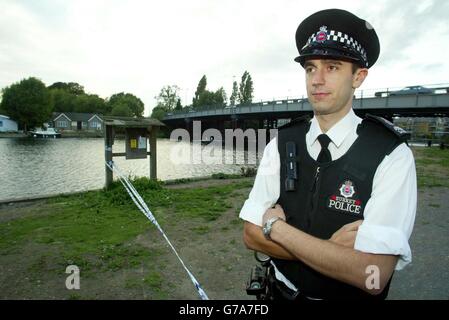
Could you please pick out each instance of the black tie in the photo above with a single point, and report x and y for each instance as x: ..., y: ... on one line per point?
x: 325, y: 155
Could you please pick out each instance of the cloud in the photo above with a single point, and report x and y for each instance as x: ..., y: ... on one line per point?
x: 111, y: 46
x: 405, y: 30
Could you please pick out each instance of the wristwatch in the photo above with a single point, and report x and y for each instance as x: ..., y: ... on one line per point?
x: 269, y: 225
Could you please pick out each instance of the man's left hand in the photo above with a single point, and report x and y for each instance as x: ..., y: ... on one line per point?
x: 346, y: 235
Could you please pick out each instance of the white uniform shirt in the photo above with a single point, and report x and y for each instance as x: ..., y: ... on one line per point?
x: 390, y: 212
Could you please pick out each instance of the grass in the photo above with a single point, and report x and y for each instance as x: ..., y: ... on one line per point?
x: 100, y: 221
x: 200, y: 229
x: 236, y: 222
x: 75, y: 296
x: 206, y: 204
x: 432, y: 167
x: 155, y: 281
x: 95, y: 230
x: 434, y: 156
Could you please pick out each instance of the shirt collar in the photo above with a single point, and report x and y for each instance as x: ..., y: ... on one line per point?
x: 338, y: 132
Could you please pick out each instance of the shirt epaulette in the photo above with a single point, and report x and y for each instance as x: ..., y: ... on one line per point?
x: 295, y: 121
x: 398, y: 131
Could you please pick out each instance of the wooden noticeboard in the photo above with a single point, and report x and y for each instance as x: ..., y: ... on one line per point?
x: 136, y: 143
x: 138, y: 132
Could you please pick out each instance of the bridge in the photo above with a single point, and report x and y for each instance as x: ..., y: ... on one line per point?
x: 387, y: 103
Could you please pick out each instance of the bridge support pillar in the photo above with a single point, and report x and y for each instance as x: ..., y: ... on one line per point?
x: 188, y: 125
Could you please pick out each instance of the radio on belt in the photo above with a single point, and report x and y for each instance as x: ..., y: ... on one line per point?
x: 292, y: 172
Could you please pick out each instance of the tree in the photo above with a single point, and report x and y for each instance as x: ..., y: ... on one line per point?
x: 178, y: 105
x: 207, y: 98
x: 120, y: 101
x: 235, y: 93
x: 246, y: 89
x: 249, y: 89
x: 158, y: 113
x: 212, y: 99
x: 121, y: 110
x: 62, y: 100
x: 168, y: 98
x: 221, y: 97
x: 27, y: 102
x: 71, y: 87
x: 200, y: 90
x: 90, y: 103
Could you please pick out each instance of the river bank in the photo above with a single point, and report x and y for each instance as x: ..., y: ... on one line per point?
x: 65, y: 134
x: 121, y: 255
x: 12, y: 135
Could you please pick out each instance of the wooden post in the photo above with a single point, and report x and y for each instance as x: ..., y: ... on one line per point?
x: 153, y: 153
x: 108, y: 154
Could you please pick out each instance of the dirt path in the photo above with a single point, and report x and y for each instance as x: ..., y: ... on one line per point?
x: 427, y: 276
x: 15, y: 210
x: 224, y: 262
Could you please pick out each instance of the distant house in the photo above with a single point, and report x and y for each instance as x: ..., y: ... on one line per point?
x: 7, y: 125
x: 73, y: 121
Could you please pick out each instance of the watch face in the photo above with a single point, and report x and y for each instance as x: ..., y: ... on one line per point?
x: 265, y: 229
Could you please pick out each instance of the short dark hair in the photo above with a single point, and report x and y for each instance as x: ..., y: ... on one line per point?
x: 355, y: 67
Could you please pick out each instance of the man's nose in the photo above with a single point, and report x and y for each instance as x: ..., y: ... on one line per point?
x: 318, y: 77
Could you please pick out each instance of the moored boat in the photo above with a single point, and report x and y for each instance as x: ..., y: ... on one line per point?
x: 49, y: 133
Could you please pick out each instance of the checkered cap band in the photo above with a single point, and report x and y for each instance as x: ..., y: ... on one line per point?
x: 342, y: 38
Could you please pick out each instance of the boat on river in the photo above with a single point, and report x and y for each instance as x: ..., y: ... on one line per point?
x: 49, y: 133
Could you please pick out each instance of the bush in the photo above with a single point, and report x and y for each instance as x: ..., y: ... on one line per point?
x: 219, y: 175
x: 248, y: 172
x: 117, y: 196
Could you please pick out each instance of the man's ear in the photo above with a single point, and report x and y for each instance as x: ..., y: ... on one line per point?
x: 359, y: 76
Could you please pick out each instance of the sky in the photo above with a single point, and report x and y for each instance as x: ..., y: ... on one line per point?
x: 138, y: 46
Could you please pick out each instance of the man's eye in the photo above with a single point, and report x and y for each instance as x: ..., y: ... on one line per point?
x: 309, y: 69
x: 333, y: 68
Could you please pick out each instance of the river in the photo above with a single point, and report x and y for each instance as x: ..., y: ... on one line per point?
x: 40, y: 167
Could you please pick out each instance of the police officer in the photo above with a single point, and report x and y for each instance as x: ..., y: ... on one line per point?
x: 334, y: 199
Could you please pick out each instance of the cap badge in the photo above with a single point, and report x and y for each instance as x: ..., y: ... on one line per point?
x: 347, y: 189
x: 322, y: 34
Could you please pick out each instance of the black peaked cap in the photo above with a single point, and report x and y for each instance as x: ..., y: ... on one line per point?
x: 337, y: 34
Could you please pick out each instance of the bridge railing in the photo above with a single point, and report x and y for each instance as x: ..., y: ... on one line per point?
x: 265, y: 105
x: 440, y: 88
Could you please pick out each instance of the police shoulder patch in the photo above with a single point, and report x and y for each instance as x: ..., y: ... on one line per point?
x: 295, y: 122
x: 398, y: 131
